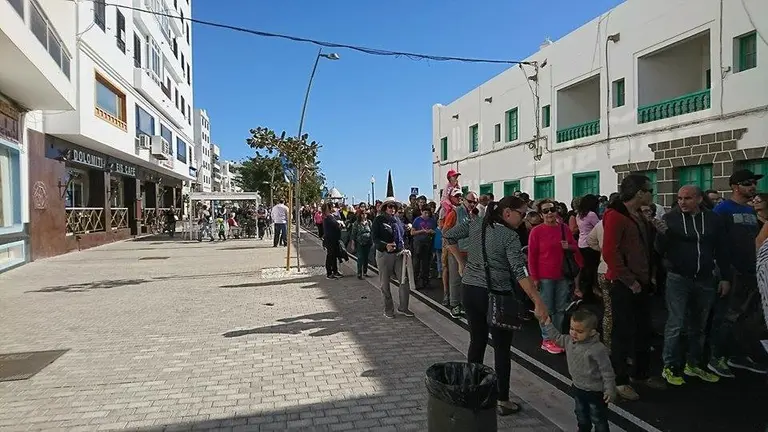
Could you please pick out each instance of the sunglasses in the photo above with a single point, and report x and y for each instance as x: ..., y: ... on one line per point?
x: 471, y: 202
x: 649, y: 190
x: 548, y: 210
x: 748, y: 183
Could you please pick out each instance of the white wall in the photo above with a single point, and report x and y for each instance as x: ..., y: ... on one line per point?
x: 579, y: 103
x: 676, y: 71
x: 644, y: 27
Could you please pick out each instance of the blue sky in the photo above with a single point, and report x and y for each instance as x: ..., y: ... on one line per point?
x: 370, y: 113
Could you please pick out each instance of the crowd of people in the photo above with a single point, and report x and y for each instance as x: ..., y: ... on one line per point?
x: 591, y: 271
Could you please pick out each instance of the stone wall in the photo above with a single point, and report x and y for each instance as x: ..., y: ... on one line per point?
x: 718, y: 149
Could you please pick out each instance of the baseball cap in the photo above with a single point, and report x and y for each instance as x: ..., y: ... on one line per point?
x: 743, y: 175
x: 453, y: 173
x: 456, y: 192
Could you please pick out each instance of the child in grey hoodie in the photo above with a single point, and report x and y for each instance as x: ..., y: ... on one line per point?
x: 589, y: 364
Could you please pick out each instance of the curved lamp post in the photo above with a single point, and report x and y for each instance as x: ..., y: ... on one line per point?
x: 297, y: 187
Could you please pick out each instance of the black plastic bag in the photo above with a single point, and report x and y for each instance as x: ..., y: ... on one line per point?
x: 468, y: 385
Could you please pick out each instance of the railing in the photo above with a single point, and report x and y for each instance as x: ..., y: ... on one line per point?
x: 119, y: 218
x: 84, y: 219
x: 680, y: 105
x: 109, y: 118
x: 578, y: 131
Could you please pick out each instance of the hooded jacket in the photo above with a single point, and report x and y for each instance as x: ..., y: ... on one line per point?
x: 694, y: 244
x: 627, y: 246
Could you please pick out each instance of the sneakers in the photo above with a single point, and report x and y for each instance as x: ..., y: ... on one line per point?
x: 673, y: 378
x: 446, y: 301
x: 551, y: 347
x: 695, y: 371
x: 331, y: 277
x: 627, y: 392
x: 655, y: 383
x: 720, y: 367
x: 457, y: 311
x: 389, y: 315
x: 360, y: 277
x: 406, y: 312
x: 746, y: 363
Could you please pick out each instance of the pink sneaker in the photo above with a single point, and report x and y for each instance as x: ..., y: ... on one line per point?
x: 551, y: 347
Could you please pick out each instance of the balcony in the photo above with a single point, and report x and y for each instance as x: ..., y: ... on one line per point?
x: 36, y: 64
x: 578, y: 131
x: 578, y: 105
x: 681, y: 105
x: 144, y: 81
x: 674, y: 81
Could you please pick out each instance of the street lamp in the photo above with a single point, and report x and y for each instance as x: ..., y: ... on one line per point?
x: 297, y: 188
x: 373, y: 191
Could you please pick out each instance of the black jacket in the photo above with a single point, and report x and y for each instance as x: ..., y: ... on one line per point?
x: 331, y: 231
x: 382, y: 232
x: 694, y: 244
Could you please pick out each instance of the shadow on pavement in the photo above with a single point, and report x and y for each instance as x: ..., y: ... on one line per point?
x: 83, y: 287
x: 271, y: 282
x: 323, y: 324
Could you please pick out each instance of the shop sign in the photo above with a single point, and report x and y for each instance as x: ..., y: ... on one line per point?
x: 9, y: 122
x: 122, y: 168
x: 86, y: 158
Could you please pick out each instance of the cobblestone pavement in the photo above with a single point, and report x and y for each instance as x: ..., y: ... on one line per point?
x: 195, y: 338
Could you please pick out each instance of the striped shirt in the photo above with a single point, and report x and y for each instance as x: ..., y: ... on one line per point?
x: 503, y: 248
x: 762, y: 277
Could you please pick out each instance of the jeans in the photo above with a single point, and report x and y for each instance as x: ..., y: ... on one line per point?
x: 454, y: 281
x: 591, y: 410
x: 630, y: 333
x: 319, y: 230
x: 386, y: 263
x: 738, y: 321
x: 362, y: 253
x: 554, y: 294
x: 280, y: 234
x: 438, y: 253
x: 205, y: 228
x: 422, y: 258
x: 332, y: 259
x: 476, y: 307
x: 688, y: 302
x: 588, y: 274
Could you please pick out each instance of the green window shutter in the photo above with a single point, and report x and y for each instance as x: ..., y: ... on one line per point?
x: 586, y: 183
x: 510, y: 187
x: 497, y: 132
x: 486, y: 189
x: 465, y: 190
x: 708, y: 79
x: 444, y: 148
x: 699, y: 175
x: 619, y: 93
x: 759, y: 167
x: 748, y: 51
x: 543, y: 187
x: 473, y: 138
x: 511, y: 124
x: 545, y: 116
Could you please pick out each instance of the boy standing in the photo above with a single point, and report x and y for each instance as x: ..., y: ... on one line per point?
x: 589, y: 364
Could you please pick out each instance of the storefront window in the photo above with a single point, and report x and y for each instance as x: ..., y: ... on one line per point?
x: 117, y: 193
x: 10, y: 193
x: 77, y: 190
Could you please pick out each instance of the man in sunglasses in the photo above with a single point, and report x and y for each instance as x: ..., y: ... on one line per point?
x: 737, y: 322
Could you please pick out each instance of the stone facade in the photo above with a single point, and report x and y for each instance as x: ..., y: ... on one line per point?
x: 717, y: 149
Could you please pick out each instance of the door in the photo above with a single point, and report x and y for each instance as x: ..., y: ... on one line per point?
x: 544, y: 187
x: 486, y: 189
x: 510, y: 187
x: 586, y: 183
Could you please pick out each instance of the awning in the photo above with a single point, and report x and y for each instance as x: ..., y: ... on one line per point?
x: 224, y: 196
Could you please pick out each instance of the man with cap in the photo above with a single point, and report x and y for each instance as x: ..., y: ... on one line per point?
x: 735, y: 337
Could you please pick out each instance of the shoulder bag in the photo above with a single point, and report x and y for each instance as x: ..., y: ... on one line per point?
x: 503, y: 306
x: 570, y: 266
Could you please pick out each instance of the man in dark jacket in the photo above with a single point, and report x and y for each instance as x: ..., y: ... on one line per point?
x: 692, y: 240
x: 388, y: 238
x: 331, y: 238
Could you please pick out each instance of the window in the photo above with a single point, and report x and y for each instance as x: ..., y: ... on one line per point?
x: 183, y: 104
x: 746, y: 49
x: 510, y: 187
x: 586, y: 183
x: 181, y: 150
x: 120, y: 31
x: 109, y: 99
x: 175, y: 48
x: 145, y: 123
x: 38, y: 26
x: 652, y: 177
x: 10, y: 189
x: 100, y: 13
x: 699, y: 175
x: 45, y: 33
x: 187, y: 33
x: 708, y: 79
x: 19, y: 6
x: 545, y: 120
x: 497, y: 132
x: 189, y: 74
x: 176, y: 97
x: 154, y: 59
x: 182, y: 64
x: 618, y: 93
x: 486, y: 189
x: 759, y: 167
x: 543, y: 187
x: 136, y: 50
x: 77, y: 191
x: 168, y: 135
x: 511, y: 116
x: 474, y: 138
x: 444, y: 148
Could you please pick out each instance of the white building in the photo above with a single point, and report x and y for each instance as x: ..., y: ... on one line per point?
x: 675, y: 90
x: 36, y: 69
x: 230, y: 177
x: 202, y: 132
x: 216, y: 168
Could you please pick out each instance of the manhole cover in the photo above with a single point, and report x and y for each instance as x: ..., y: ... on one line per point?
x: 152, y: 258
x: 21, y: 366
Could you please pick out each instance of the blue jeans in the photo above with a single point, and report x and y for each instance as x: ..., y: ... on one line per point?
x: 281, y: 234
x: 688, y: 304
x: 362, y: 253
x: 591, y: 410
x: 554, y: 294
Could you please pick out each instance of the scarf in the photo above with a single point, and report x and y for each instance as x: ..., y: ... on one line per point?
x: 398, y: 230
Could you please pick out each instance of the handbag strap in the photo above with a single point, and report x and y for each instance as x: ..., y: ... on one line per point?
x: 486, y: 267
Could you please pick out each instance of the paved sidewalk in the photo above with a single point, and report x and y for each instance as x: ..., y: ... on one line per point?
x: 196, y: 338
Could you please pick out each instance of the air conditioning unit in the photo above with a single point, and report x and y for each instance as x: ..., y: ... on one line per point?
x: 144, y: 142
x: 161, y: 148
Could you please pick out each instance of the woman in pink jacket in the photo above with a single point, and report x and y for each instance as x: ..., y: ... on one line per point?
x: 547, y: 246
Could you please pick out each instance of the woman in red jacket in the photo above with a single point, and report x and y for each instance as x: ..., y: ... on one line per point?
x: 547, y: 246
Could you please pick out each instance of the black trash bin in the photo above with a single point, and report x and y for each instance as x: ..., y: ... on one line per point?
x: 462, y: 397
